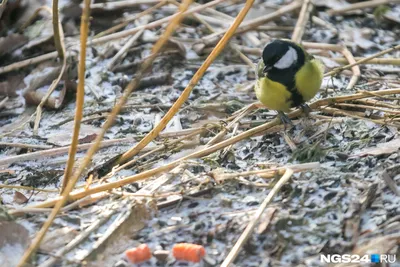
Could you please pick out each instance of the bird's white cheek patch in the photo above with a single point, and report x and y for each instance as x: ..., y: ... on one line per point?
x: 287, y: 60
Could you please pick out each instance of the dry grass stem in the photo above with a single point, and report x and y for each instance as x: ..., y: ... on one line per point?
x: 231, y: 45
x: 131, y: 19
x: 114, y: 5
x: 59, y: 41
x: 301, y: 24
x: 33, y: 17
x: 153, y: 24
x: 59, y: 151
x: 337, y: 70
x: 377, y: 103
x: 57, y: 31
x: 360, y: 5
x: 28, y: 62
x: 355, y: 69
x: 266, y: 173
x: 252, y: 224
x: 122, y: 52
x: 356, y: 115
x: 367, y: 107
x: 252, y: 24
x: 3, y: 102
x: 27, y: 146
x: 3, y: 7
x: 78, y: 116
x: 80, y: 95
x: 103, y: 39
x: 224, y: 130
x: 323, y: 23
x: 380, y: 61
x: 77, y: 240
x: 131, y: 86
x: 160, y: 148
x: 29, y: 188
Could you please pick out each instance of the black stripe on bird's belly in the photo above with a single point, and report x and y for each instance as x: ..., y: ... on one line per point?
x: 287, y: 78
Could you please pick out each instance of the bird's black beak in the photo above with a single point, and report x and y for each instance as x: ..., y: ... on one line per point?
x: 266, y: 69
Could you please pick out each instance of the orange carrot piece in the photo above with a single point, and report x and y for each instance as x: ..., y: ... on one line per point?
x: 188, y: 252
x: 138, y: 254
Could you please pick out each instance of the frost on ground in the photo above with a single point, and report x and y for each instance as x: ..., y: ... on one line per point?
x: 349, y: 204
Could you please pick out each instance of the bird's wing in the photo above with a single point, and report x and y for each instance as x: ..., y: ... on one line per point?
x: 260, y: 68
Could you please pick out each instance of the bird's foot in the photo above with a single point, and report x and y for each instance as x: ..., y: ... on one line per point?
x: 306, y: 109
x: 285, y: 119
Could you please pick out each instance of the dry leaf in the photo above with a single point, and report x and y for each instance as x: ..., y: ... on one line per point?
x: 20, y: 198
x: 64, y: 135
x: 87, y: 139
x: 380, y: 149
x: 40, y: 83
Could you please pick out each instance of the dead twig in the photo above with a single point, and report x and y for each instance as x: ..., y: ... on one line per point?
x: 355, y: 69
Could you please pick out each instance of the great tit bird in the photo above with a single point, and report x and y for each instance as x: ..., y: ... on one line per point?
x: 287, y: 77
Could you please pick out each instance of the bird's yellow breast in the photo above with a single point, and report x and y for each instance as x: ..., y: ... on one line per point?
x: 276, y: 96
x: 272, y: 94
x: 309, y: 79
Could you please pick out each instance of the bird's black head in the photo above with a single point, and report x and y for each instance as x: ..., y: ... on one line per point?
x: 281, y: 55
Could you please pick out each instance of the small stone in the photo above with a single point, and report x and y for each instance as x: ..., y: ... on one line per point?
x: 161, y: 255
x: 226, y: 203
x: 121, y: 263
x: 208, y: 261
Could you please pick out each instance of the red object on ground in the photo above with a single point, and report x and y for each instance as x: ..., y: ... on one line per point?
x: 188, y: 252
x: 138, y: 254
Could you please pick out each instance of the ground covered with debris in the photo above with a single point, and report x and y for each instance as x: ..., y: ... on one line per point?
x: 204, y: 177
